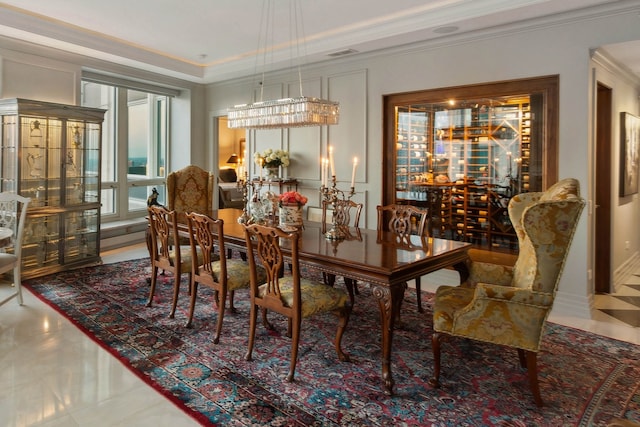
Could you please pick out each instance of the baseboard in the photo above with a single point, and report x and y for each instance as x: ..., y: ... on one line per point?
x: 622, y: 273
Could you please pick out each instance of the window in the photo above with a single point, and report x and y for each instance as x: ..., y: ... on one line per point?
x: 134, y: 147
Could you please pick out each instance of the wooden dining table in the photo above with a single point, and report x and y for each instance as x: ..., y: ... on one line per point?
x: 370, y: 256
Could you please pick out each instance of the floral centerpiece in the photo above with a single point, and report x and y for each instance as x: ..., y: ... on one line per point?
x: 271, y: 158
x: 292, y: 198
x: 290, y: 208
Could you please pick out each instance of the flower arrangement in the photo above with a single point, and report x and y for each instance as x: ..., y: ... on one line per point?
x: 271, y: 158
x: 292, y: 198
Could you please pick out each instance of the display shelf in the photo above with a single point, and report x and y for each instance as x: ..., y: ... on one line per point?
x: 51, y: 154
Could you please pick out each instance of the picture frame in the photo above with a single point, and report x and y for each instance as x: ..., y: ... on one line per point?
x: 629, y: 153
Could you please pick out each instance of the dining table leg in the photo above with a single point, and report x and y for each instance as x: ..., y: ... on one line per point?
x: 389, y: 301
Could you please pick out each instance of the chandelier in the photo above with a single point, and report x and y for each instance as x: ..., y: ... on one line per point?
x: 285, y: 112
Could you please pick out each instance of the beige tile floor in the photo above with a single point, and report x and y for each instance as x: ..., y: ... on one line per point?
x: 51, y: 374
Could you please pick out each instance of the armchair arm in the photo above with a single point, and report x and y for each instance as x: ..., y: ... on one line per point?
x: 489, y: 273
x: 504, y: 315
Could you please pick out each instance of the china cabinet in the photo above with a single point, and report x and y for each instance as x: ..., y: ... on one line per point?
x: 51, y: 153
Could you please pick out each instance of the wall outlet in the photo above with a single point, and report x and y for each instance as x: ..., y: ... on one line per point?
x: 627, y: 245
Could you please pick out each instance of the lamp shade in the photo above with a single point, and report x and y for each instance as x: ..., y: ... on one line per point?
x: 233, y: 158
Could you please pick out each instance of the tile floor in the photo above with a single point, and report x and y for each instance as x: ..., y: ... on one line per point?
x: 51, y: 374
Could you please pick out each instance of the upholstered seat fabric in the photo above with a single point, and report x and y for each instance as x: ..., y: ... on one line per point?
x: 315, y: 297
x: 238, y: 273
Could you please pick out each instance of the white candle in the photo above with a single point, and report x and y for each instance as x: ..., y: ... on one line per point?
x: 326, y: 172
x: 353, y: 172
x: 333, y: 168
x: 322, y: 172
x: 261, y: 163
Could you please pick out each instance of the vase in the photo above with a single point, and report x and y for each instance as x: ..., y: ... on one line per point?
x: 273, y: 174
x: 290, y: 215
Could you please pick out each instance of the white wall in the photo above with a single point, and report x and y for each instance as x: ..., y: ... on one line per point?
x: 625, y: 210
x: 560, y: 48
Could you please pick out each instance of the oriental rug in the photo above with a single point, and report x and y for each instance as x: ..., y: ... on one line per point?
x: 585, y: 379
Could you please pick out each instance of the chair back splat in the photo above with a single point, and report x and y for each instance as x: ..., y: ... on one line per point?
x: 404, y: 221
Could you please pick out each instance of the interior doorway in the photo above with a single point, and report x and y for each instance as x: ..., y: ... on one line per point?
x: 603, y: 189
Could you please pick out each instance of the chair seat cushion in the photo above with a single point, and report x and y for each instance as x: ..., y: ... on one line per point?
x: 238, y: 273
x: 185, y: 258
x: 316, y: 297
x: 449, y: 300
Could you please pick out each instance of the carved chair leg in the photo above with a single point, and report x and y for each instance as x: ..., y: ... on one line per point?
x: 351, y: 287
x: 343, y: 320
x: 253, y: 318
x: 522, y: 358
x: 152, y: 291
x: 295, y: 341
x: 176, y: 292
x: 265, y: 321
x: 419, y: 295
x: 328, y: 278
x: 232, y: 308
x: 192, y: 303
x: 435, y: 346
x: 532, y: 368
x: 221, y: 308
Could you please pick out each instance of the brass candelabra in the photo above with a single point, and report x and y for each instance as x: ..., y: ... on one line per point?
x: 332, y: 194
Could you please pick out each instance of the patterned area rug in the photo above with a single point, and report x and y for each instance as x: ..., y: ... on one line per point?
x: 585, y: 379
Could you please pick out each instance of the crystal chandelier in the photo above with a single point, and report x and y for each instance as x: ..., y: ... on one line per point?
x: 286, y: 112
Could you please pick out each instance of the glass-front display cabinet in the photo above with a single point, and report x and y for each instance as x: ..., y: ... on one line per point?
x: 51, y: 154
x: 462, y: 155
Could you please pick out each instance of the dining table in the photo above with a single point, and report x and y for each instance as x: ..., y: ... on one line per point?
x: 371, y: 256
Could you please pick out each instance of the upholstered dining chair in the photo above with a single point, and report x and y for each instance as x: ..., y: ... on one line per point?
x: 13, y: 212
x: 509, y: 306
x: 217, y: 272
x: 165, y: 255
x: 404, y: 221
x: 190, y: 189
x: 347, y: 214
x: 288, y: 294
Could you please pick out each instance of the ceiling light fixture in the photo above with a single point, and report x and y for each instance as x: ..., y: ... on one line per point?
x: 286, y: 112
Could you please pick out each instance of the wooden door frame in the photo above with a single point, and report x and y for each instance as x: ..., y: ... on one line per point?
x: 603, y: 190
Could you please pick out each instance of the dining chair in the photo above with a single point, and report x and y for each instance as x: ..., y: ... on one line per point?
x: 288, y: 293
x: 217, y: 272
x: 342, y: 212
x: 404, y: 221
x: 190, y: 189
x: 13, y: 212
x: 165, y: 255
x: 508, y: 306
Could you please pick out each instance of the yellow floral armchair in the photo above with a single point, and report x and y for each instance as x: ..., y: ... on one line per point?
x: 509, y: 305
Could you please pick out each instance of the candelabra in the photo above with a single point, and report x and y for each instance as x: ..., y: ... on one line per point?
x: 254, y: 209
x: 332, y: 195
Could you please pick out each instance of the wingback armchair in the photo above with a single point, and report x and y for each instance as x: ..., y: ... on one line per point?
x: 509, y: 305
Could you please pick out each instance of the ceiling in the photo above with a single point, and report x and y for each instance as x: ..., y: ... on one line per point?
x: 207, y: 41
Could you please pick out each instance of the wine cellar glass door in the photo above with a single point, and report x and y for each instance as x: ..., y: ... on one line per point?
x: 463, y: 160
